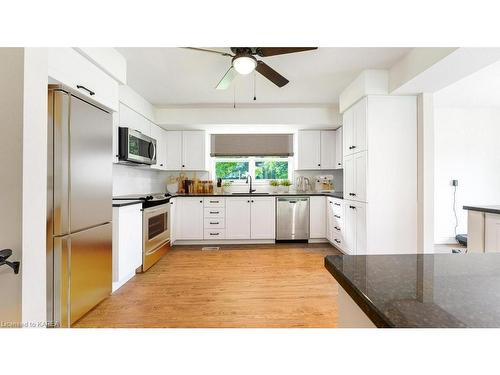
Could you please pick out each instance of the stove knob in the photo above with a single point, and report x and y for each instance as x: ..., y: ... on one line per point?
x: 149, y: 198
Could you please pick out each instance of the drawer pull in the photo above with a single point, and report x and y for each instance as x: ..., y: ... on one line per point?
x: 214, y: 222
x: 337, y: 228
x: 214, y: 212
x: 337, y: 216
x: 337, y: 204
x: 214, y: 234
x: 352, y: 207
x: 214, y: 201
x: 80, y: 87
x: 337, y: 241
x: 352, y: 194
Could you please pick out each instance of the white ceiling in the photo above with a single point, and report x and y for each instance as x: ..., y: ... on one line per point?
x: 480, y: 89
x: 177, y: 77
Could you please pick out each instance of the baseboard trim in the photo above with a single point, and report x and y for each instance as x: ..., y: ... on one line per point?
x: 118, y: 284
x: 222, y: 242
x: 317, y: 240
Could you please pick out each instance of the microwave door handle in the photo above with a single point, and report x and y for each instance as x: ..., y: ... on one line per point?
x: 154, y: 150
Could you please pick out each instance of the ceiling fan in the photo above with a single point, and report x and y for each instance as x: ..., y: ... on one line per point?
x: 244, y: 62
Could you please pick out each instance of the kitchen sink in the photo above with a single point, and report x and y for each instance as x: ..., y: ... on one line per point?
x: 250, y: 193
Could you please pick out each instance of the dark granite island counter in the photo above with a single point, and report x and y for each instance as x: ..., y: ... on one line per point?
x: 426, y: 291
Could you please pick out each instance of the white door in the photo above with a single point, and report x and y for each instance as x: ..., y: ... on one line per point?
x: 338, y: 148
x: 360, y: 126
x: 190, y: 215
x: 263, y: 218
x: 173, y: 220
x: 173, y: 144
x: 349, y: 177
x: 309, y: 149
x: 350, y: 228
x: 360, y: 168
x: 238, y: 218
x: 161, y: 149
x: 328, y: 149
x: 348, y: 132
x: 193, y: 150
x: 317, y: 217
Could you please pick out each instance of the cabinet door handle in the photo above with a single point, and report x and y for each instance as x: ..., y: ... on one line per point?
x: 337, y: 216
x: 352, y: 207
x: 201, y: 201
x: 337, y: 204
x: 338, y: 164
x: 80, y: 87
x: 319, y: 165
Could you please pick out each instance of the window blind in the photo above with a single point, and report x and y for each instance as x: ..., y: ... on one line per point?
x: 234, y: 145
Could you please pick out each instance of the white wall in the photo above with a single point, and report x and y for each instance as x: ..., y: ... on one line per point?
x: 466, y: 148
x: 137, y: 180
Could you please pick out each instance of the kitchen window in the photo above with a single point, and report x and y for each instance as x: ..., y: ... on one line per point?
x: 262, y: 169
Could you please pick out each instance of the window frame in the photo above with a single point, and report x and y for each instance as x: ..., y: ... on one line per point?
x: 251, y: 167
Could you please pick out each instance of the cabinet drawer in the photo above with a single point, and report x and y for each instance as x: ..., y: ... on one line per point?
x: 214, y: 234
x: 338, y: 207
x: 214, y: 202
x: 214, y: 212
x: 214, y: 223
x: 338, y: 241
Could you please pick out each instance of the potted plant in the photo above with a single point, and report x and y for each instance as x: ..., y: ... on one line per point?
x: 275, y: 185
x: 286, y: 185
x: 225, y: 186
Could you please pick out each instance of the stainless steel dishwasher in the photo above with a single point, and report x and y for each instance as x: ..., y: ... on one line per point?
x: 292, y: 219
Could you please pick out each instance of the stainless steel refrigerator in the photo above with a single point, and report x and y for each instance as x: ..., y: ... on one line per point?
x: 79, y: 205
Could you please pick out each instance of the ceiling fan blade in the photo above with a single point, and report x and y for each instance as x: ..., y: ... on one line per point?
x: 273, y: 51
x: 225, y: 82
x: 271, y: 74
x: 208, y: 50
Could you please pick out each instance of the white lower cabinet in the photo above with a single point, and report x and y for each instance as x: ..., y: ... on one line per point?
x: 492, y: 233
x: 317, y: 217
x: 250, y: 218
x: 189, y: 215
x: 355, y: 228
x: 238, y: 218
x: 127, y: 243
x: 335, y: 222
x: 262, y: 218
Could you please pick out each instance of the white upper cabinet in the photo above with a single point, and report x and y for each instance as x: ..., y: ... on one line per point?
x: 161, y: 149
x: 193, y: 150
x: 238, y: 218
x: 338, y: 149
x: 317, y: 217
x: 173, y: 141
x: 316, y: 150
x: 263, y: 218
x: 133, y: 120
x: 70, y: 68
x: 185, y: 150
x: 354, y: 128
x: 189, y: 215
x: 327, y: 147
x: 309, y: 149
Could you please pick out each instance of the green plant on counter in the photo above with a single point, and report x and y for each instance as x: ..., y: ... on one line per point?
x: 274, y: 183
x: 285, y: 183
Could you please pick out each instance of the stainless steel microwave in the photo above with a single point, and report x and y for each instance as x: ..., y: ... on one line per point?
x: 136, y: 147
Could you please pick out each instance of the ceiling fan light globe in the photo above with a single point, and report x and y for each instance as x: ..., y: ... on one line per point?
x: 244, y: 64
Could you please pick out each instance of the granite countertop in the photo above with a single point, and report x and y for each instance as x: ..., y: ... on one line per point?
x: 336, y: 194
x: 417, y: 290
x: 488, y: 209
x: 122, y: 203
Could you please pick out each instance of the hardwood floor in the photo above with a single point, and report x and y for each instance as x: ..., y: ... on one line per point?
x: 283, y: 285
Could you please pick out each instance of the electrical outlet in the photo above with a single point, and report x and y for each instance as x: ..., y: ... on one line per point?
x: 454, y: 182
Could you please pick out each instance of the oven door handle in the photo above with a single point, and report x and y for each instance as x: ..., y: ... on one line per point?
x: 149, y: 211
x: 158, y: 247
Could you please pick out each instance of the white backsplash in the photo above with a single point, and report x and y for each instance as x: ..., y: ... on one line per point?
x: 338, y: 177
x: 137, y: 180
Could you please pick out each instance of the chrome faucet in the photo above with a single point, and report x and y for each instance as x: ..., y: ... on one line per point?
x: 250, y: 190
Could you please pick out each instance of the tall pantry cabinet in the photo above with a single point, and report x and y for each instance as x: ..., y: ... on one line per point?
x: 380, y: 175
